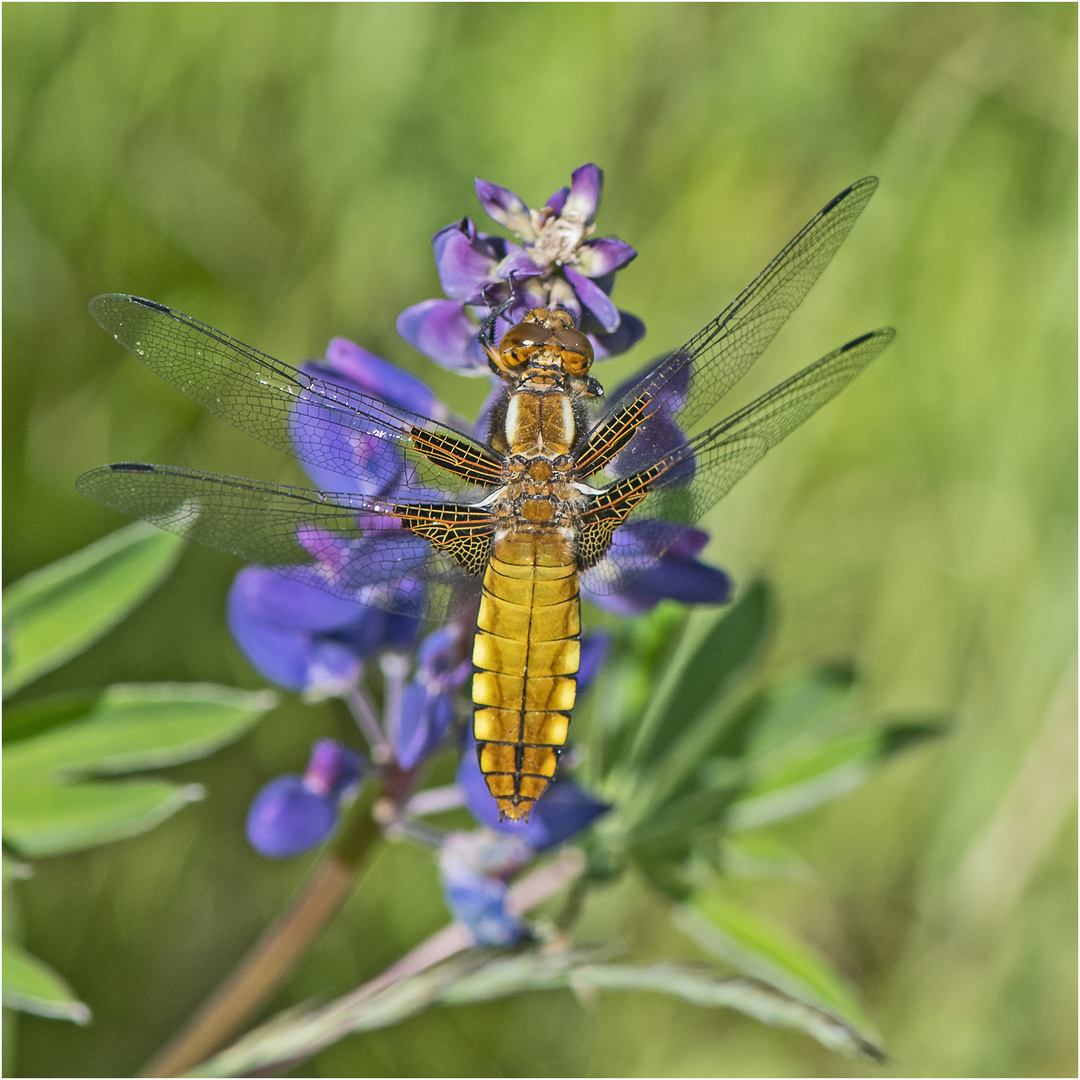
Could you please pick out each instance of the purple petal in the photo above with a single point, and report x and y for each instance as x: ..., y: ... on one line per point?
x: 422, y: 721
x: 603, y: 256
x: 352, y: 461
x: 259, y: 594
x: 571, y: 809
x: 594, y: 298
x: 557, y: 201
x: 354, y: 366
x: 444, y: 656
x: 518, y: 263
x: 302, y: 638
x: 287, y: 818
x: 594, y: 651
x: 442, y: 330
x: 674, y: 577
x: 586, y: 184
x: 562, y: 812
x: 630, y: 331
x: 332, y: 769
x: 464, y: 265
x: 481, y: 904
x: 503, y: 206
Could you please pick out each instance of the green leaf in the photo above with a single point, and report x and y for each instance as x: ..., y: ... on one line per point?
x: 134, y: 727
x: 770, y: 954
x: 787, y: 710
x: 15, y: 870
x: 51, y: 820
x: 672, y: 825
x: 813, y: 771
x: 32, y: 986
x: 45, y: 713
x: 481, y: 977
x: 702, y: 676
x: 56, y: 612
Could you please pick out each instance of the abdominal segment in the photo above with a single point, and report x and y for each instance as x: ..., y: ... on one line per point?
x: 526, y: 656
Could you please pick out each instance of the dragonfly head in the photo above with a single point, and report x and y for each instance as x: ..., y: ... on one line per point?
x: 544, y: 339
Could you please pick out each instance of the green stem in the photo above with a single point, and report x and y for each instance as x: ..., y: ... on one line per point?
x: 277, y: 952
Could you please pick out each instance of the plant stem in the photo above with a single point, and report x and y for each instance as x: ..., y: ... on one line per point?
x: 276, y: 953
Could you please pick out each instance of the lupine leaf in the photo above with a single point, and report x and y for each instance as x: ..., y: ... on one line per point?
x: 770, y: 954
x: 56, y: 612
x: 478, y: 977
x: 46, y: 819
x: 700, y: 678
x: 30, y: 985
x: 134, y: 727
x: 813, y: 771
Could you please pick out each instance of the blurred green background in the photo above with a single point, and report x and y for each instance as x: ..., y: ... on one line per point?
x: 277, y: 171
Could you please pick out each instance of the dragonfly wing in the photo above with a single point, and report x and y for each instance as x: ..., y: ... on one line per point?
x: 380, y: 552
x: 327, y: 426
x: 676, y: 490
x: 684, y: 387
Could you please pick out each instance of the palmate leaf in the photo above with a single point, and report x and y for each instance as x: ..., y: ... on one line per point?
x: 820, y: 767
x: 123, y: 730
x: 47, y: 819
x: 134, y: 727
x: 481, y: 977
x: 56, y: 612
x: 30, y: 985
x: 764, y: 951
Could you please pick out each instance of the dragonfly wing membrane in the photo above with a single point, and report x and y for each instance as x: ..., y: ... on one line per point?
x: 325, y: 425
x: 681, y: 487
x: 688, y: 384
x: 371, y: 550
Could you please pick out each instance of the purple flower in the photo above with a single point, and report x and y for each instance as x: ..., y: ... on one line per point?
x: 562, y: 812
x: 558, y: 264
x: 473, y: 867
x: 293, y: 814
x: 675, y: 575
x: 429, y: 702
x: 303, y: 638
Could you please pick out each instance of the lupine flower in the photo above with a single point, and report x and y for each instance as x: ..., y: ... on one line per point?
x: 305, y: 639
x: 429, y: 702
x: 558, y: 264
x: 474, y: 868
x: 293, y: 814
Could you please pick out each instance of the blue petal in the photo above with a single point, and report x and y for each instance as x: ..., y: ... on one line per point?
x: 443, y: 331
x: 603, y: 256
x: 594, y: 298
x: 503, y: 206
x: 569, y: 809
x: 332, y: 769
x: 287, y: 818
x: 586, y: 183
x: 481, y: 904
x: 629, y: 332
x: 674, y: 577
x: 353, y: 366
x: 422, y: 722
x: 594, y: 651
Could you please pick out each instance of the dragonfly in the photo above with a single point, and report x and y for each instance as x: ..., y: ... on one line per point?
x: 562, y: 492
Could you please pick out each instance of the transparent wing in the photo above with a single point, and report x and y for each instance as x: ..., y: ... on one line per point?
x: 681, y: 486
x: 325, y: 425
x: 362, y: 549
x: 685, y: 386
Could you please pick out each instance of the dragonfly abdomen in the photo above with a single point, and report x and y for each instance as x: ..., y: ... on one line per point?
x: 526, y: 656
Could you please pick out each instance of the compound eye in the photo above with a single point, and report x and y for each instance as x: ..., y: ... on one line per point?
x: 577, y: 351
x: 519, y: 340
x: 523, y: 336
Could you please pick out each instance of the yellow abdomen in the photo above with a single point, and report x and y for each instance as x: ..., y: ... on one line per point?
x: 526, y: 656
